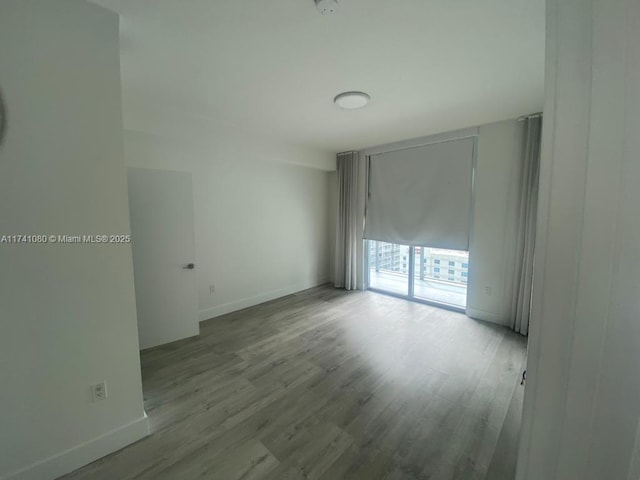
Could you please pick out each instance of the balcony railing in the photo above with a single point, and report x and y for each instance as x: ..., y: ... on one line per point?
x: 428, y: 270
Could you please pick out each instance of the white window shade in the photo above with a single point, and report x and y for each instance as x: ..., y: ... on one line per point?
x: 422, y: 195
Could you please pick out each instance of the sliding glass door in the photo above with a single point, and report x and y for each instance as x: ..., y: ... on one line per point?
x: 389, y: 267
x: 426, y: 274
x: 441, y: 276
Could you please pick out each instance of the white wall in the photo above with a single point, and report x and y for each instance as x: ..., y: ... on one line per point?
x: 582, y: 400
x: 493, y: 237
x: 67, y: 312
x: 262, y: 220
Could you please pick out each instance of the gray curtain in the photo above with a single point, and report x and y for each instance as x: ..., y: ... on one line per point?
x: 346, y: 228
x: 527, y: 208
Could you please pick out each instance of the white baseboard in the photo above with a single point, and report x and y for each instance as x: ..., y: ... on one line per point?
x: 484, y: 315
x: 147, y: 343
x: 85, y: 453
x: 247, y: 302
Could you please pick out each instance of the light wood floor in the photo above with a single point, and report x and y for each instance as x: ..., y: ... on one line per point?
x: 329, y: 385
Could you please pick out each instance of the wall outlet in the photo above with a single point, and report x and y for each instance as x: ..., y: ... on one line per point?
x: 99, y: 391
x: 212, y: 288
x: 487, y: 290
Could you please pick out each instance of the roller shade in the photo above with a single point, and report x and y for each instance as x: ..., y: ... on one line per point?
x: 422, y: 195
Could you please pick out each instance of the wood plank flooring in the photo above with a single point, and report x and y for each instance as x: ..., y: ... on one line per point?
x: 329, y: 385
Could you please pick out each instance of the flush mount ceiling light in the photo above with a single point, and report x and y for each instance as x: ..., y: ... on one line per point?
x: 327, y: 7
x: 352, y: 100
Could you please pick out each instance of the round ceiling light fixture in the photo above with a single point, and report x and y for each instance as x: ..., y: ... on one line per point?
x: 327, y: 7
x: 352, y: 100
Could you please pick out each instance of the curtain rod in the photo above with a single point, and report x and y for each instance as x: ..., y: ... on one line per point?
x: 531, y: 115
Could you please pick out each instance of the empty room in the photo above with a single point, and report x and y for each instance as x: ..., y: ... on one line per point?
x: 319, y: 239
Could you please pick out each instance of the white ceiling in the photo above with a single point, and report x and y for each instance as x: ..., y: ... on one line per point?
x: 274, y: 66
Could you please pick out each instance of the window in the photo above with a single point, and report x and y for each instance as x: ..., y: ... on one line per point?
x: 429, y: 280
x: 452, y: 264
x: 465, y: 265
x: 465, y: 274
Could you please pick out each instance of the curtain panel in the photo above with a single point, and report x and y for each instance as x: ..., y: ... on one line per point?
x: 347, y: 221
x: 527, y: 213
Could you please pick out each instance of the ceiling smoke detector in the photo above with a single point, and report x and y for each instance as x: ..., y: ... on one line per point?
x: 327, y: 7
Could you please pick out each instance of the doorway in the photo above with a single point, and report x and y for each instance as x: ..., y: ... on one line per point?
x: 162, y: 228
x: 430, y: 275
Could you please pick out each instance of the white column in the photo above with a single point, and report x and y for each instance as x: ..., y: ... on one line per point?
x: 582, y: 399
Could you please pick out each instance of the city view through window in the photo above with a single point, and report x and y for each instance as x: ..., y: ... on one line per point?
x: 423, y: 273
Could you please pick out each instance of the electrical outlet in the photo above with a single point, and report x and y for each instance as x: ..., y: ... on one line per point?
x: 212, y: 288
x: 487, y: 290
x: 99, y: 391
